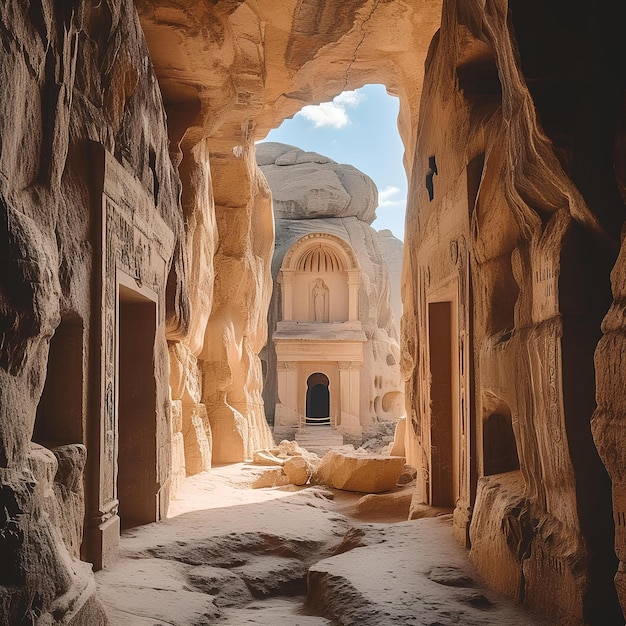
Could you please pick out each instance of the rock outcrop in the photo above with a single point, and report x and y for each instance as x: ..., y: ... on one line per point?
x: 393, y: 250
x: 511, y: 231
x: 83, y: 99
x: 308, y: 185
x: 349, y: 589
x: 367, y: 473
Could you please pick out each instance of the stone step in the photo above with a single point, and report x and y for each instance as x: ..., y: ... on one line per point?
x: 319, y: 439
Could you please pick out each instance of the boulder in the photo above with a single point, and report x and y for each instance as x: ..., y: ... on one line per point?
x: 266, y: 457
x: 366, y: 473
x: 395, y: 505
x: 290, y: 448
x: 306, y: 185
x: 409, y: 474
x: 297, y: 470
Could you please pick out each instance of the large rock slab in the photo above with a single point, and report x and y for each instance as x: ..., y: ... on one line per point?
x: 367, y: 473
x: 420, y: 576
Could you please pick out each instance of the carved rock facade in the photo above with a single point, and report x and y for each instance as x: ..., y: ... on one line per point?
x: 136, y: 235
x: 513, y: 227
x: 330, y: 313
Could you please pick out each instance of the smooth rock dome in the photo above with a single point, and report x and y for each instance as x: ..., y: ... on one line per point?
x: 307, y: 185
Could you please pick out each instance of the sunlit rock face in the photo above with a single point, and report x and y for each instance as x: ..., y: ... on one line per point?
x: 313, y: 195
x: 307, y: 185
x: 513, y: 224
x: 135, y: 244
x: 392, y: 250
x: 228, y: 73
x: 89, y: 214
x: 136, y: 252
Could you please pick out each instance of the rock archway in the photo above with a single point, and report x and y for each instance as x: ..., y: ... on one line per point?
x: 122, y: 163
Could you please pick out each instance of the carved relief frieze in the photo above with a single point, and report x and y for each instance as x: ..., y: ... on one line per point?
x: 554, y: 410
x: 287, y: 366
x: 135, y: 240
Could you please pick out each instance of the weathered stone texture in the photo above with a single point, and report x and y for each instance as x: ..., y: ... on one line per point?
x: 132, y: 214
x: 367, y: 473
x: 78, y: 74
x: 510, y: 239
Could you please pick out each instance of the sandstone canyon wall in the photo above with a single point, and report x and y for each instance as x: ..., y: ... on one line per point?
x: 89, y: 220
x: 126, y: 267
x: 513, y: 226
x: 135, y: 271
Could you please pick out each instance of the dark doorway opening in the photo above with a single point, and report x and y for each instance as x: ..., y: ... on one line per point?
x: 500, y: 449
x: 137, y: 486
x: 59, y: 418
x: 442, y: 453
x: 317, y: 400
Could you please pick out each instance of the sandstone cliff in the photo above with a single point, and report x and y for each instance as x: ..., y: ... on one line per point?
x: 510, y: 239
x: 136, y: 238
x: 76, y: 77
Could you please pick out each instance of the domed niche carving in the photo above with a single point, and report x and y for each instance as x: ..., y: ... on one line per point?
x: 316, y: 280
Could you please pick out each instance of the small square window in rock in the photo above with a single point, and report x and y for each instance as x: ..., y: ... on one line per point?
x: 432, y: 171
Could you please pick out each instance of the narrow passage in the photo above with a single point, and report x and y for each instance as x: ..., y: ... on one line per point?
x: 233, y: 555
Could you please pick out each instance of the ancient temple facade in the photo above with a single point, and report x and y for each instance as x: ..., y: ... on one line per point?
x: 333, y: 333
x: 319, y: 341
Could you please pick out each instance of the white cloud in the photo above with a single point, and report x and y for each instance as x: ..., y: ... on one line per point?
x: 333, y: 114
x: 325, y: 114
x: 386, y: 197
x: 349, y: 98
x: 387, y: 193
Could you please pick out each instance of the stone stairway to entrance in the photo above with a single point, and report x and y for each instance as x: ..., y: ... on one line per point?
x: 319, y: 439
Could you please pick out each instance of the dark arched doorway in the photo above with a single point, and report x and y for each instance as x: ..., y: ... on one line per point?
x: 317, y: 400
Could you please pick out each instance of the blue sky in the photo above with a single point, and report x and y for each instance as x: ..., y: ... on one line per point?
x: 359, y: 128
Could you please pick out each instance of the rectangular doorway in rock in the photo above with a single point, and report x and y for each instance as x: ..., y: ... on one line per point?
x: 60, y: 411
x: 137, y: 486
x: 443, y: 465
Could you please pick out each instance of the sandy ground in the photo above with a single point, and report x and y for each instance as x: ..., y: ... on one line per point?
x: 236, y: 556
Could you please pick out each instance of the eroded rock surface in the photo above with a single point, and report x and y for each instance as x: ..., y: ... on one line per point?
x: 367, y: 473
x: 509, y: 245
x: 83, y: 97
x: 124, y: 189
x: 251, y: 562
x: 307, y: 185
x: 394, y: 576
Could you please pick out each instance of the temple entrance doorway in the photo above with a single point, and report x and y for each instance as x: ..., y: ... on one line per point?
x: 137, y: 486
x: 317, y: 400
x: 444, y: 461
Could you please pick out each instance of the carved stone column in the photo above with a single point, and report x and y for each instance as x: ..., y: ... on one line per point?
x: 349, y: 387
x: 354, y: 281
x: 287, y: 409
x: 287, y: 278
